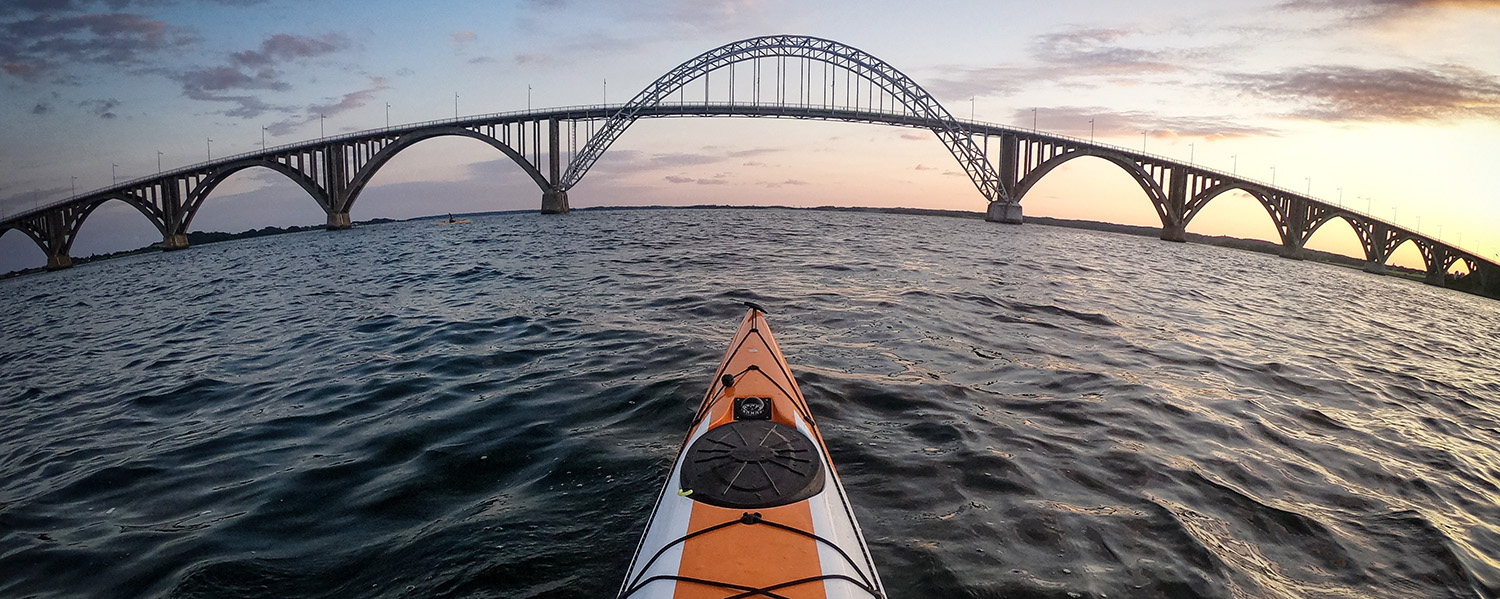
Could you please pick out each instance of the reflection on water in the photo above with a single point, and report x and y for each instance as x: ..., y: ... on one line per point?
x: 488, y: 411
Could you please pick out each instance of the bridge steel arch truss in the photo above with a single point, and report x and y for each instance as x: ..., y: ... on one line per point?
x: 881, y: 76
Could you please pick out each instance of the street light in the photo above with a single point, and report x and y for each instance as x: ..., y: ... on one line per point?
x: 455, y: 105
x: 1309, y: 186
x: 1190, y: 154
x: 322, y: 118
x: 387, y: 115
x: 114, y: 174
x: 1341, y: 197
x: 158, y: 162
x: 75, y: 186
x: 1273, y: 176
x: 1033, y: 120
x: 1091, y: 130
x: 1235, y: 170
x: 1143, y: 141
x: 262, y: 139
x: 210, y: 148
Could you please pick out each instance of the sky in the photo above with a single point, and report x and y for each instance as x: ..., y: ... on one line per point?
x: 1386, y: 106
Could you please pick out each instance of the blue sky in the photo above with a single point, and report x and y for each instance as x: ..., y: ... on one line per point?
x: 1392, y: 105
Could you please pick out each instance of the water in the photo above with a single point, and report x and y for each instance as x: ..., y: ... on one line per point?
x: 488, y: 410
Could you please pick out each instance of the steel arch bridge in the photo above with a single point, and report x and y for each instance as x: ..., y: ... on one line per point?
x: 781, y: 76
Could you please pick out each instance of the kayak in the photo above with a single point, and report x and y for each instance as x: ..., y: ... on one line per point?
x: 753, y: 506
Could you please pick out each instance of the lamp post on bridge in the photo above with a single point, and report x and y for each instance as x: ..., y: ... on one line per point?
x: 210, y: 148
x: 387, y: 115
x: 1091, y: 130
x: 75, y: 186
x: 114, y: 174
x: 322, y: 119
x: 1033, y: 120
x: 1341, y: 197
x: 1309, y: 187
x: 158, y: 162
x: 1190, y: 154
x: 262, y: 139
x: 1235, y: 170
x: 455, y: 105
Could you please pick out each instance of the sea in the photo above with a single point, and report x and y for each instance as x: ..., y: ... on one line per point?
x: 490, y: 409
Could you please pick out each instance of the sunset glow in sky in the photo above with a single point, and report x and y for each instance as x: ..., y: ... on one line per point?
x: 1391, y: 106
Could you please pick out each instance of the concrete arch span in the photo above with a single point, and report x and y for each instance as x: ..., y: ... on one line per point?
x: 367, y: 171
x: 1154, y: 192
x: 205, y: 187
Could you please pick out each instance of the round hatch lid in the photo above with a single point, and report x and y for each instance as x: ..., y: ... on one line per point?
x: 749, y: 464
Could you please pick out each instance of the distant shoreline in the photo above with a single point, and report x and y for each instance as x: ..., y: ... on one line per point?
x: 197, y: 238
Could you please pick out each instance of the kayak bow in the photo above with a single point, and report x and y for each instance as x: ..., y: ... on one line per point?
x: 753, y: 507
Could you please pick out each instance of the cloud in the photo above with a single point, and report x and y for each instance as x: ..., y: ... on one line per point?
x: 255, y: 70
x: 317, y: 112
x: 1347, y: 93
x: 40, y: 46
x: 678, y: 180
x: 920, y: 167
x: 1067, y: 57
x: 104, y: 109
x: 1099, y: 52
x: 41, y: 108
x: 1383, y: 9
x: 752, y: 152
x: 591, y: 46
x: 683, y: 159
x: 284, y: 47
x: 462, y: 40
x: 1074, y: 121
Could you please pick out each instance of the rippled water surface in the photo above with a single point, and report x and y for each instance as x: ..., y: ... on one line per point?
x: 488, y: 410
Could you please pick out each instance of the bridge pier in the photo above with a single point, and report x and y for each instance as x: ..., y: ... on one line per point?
x: 554, y: 202
x: 173, y: 242
x: 1002, y: 212
x: 338, y: 221
x: 1374, y: 267
x: 1436, y: 277
x: 59, y: 261
x: 1174, y: 232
